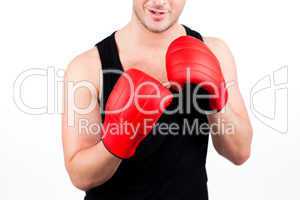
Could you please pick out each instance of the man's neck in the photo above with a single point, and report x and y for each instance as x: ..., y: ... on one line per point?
x: 139, y: 34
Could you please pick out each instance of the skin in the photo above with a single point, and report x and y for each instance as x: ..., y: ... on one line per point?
x: 87, y: 161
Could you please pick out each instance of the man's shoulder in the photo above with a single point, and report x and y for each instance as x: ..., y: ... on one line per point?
x: 219, y: 47
x: 215, y: 43
x: 85, y: 66
x: 86, y: 62
x: 222, y: 51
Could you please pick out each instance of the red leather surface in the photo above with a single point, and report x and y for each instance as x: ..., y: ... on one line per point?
x: 189, y: 53
x: 131, y: 107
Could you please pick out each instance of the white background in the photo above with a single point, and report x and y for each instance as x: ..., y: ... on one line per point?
x: 263, y: 36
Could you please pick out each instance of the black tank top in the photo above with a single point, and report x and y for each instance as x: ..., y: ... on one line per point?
x: 165, y: 166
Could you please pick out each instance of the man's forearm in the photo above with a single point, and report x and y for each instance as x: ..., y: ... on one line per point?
x: 92, y: 167
x: 232, y: 135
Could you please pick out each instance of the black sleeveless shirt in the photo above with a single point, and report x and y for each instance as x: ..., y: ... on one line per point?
x: 165, y: 166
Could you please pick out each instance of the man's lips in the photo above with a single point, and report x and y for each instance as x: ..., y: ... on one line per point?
x: 157, y: 14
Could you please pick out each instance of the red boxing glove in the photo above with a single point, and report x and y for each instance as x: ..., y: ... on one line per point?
x: 189, y: 59
x: 135, y: 104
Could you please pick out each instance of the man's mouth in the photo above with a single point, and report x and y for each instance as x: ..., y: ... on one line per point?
x: 157, y: 14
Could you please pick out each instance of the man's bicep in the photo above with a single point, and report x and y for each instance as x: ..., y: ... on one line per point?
x: 81, y: 117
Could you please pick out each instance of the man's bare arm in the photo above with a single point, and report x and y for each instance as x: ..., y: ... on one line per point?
x: 234, y: 144
x: 87, y: 161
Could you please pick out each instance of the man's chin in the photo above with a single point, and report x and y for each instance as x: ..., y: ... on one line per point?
x: 157, y: 27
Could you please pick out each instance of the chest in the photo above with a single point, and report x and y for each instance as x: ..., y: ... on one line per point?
x: 151, y: 62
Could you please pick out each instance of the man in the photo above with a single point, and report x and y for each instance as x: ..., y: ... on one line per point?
x: 151, y: 166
